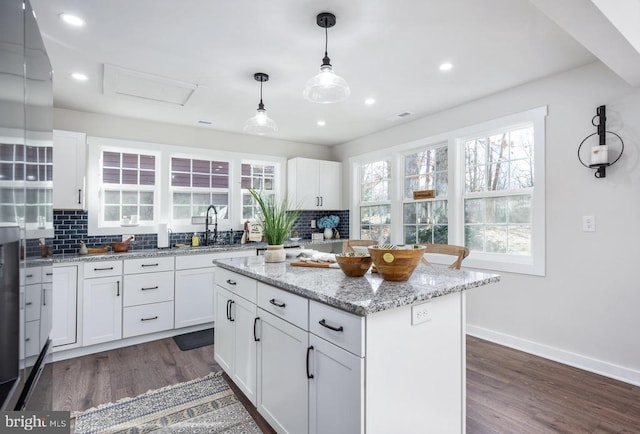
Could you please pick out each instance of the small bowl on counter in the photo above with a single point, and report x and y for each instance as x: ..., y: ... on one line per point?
x: 353, y: 265
x: 396, y: 263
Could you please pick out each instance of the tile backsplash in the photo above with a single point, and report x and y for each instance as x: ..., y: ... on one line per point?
x: 70, y: 227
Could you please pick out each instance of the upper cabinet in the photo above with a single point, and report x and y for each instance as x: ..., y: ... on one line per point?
x: 69, y: 156
x: 314, y: 184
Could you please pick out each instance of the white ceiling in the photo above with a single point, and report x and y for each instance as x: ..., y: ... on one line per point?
x: 386, y: 49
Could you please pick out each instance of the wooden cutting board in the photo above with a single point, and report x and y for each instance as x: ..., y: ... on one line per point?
x: 315, y: 264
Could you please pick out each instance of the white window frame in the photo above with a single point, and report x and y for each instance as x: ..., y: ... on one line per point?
x: 534, y: 264
x: 277, y: 181
x: 163, y: 204
x: 186, y: 225
x: 356, y: 166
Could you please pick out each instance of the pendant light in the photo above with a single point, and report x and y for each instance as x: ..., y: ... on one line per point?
x: 326, y: 87
x: 261, y: 123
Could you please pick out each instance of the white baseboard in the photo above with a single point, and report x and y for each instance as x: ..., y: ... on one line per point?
x: 600, y: 367
x: 73, y: 350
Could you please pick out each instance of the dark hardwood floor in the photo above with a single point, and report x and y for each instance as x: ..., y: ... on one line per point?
x: 508, y: 391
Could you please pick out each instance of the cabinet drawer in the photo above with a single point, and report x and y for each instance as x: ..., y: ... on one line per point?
x: 286, y: 305
x: 102, y: 269
x: 148, y: 265
x: 336, y: 326
x: 148, y: 318
x: 243, y: 286
x: 30, y: 275
x: 185, y: 262
x: 47, y: 273
x: 148, y: 288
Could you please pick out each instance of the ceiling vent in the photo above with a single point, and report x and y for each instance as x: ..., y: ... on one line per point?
x: 122, y: 81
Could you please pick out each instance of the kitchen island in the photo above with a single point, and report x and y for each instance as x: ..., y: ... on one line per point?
x: 340, y: 354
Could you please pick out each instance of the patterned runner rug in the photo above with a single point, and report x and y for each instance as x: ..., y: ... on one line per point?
x: 206, y: 405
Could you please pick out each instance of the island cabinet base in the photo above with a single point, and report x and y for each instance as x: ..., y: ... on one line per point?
x: 415, y: 373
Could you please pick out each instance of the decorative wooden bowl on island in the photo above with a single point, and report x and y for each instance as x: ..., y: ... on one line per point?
x: 396, y: 263
x: 353, y: 265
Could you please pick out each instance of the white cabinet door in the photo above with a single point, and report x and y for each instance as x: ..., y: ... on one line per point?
x: 302, y: 183
x: 65, y: 299
x: 330, y: 185
x: 69, y: 153
x: 336, y: 391
x: 46, y: 313
x: 223, y: 330
x: 101, y: 310
x: 244, y: 369
x: 194, y: 303
x: 283, y: 388
x: 314, y: 184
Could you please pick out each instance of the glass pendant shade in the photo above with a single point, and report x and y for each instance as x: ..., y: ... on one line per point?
x: 260, y: 124
x: 326, y: 87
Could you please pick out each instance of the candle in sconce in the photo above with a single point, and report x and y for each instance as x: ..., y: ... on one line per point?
x: 600, y: 154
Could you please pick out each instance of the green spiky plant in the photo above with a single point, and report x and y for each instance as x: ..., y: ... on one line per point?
x: 276, y: 218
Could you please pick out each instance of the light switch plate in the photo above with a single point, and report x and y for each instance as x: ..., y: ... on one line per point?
x: 588, y: 223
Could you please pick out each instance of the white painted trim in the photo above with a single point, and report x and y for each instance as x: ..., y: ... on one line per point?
x: 580, y: 361
x: 71, y: 351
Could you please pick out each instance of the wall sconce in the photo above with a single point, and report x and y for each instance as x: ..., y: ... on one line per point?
x: 599, y: 156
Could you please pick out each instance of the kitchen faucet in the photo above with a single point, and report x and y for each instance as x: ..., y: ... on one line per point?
x: 206, y: 226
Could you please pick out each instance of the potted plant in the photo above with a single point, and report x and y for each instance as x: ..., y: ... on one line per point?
x: 277, y: 221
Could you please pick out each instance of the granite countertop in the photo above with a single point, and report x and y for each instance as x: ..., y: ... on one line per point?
x: 358, y: 295
x: 173, y: 251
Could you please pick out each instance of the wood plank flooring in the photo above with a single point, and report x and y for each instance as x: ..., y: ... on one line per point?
x: 508, y: 391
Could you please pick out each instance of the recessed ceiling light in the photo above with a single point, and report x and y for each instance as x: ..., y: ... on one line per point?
x: 321, y: 123
x: 370, y: 101
x: 79, y: 76
x: 446, y: 66
x: 72, y: 20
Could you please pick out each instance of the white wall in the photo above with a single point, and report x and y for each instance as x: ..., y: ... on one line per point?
x: 585, y: 311
x: 156, y: 132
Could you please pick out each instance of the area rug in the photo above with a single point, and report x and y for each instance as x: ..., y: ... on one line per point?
x: 206, y: 405
x: 190, y: 341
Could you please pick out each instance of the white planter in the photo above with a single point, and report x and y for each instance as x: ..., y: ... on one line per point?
x: 328, y: 233
x: 275, y: 254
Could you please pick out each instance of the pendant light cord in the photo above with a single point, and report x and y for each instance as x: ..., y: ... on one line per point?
x: 326, y: 40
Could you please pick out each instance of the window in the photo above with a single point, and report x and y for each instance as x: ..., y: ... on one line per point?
x: 489, y: 182
x: 426, y: 220
x: 499, y: 181
x: 26, y: 185
x: 128, y: 187
x: 196, y: 184
x: 375, y: 201
x: 260, y: 177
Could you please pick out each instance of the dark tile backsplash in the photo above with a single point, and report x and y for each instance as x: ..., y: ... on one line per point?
x: 70, y: 227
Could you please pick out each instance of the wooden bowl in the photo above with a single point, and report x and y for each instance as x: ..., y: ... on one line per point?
x: 353, y: 266
x: 120, y: 247
x: 398, y: 264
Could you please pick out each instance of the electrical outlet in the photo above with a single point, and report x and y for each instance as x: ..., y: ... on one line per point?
x: 420, y: 313
x: 313, y: 224
x: 126, y: 237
